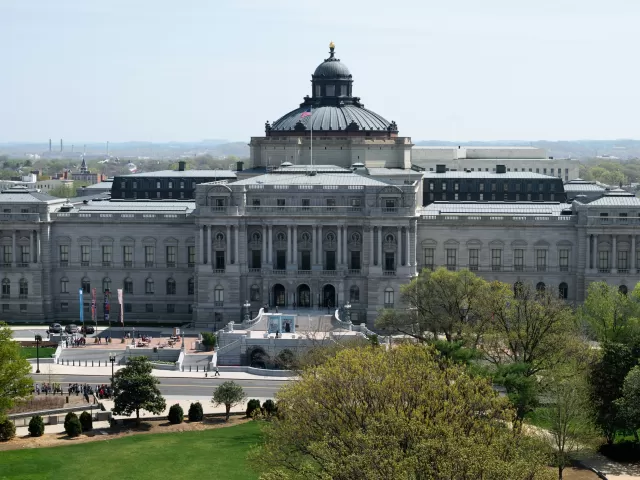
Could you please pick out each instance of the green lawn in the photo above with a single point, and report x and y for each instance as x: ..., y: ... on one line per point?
x: 30, y: 352
x: 217, y: 453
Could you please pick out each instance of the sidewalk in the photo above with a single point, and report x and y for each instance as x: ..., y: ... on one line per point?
x: 613, y: 470
x: 56, y: 369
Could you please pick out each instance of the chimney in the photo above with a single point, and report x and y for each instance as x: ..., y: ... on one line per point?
x: 239, y: 166
x: 181, y: 165
x: 501, y: 169
x: 441, y: 168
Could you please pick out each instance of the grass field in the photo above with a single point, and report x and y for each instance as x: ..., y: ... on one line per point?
x: 217, y: 453
x: 30, y: 352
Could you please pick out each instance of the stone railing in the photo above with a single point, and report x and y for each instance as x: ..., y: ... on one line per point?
x: 496, y: 217
x: 251, y: 323
x: 228, y: 347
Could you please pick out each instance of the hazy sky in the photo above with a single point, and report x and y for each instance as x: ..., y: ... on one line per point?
x: 164, y: 70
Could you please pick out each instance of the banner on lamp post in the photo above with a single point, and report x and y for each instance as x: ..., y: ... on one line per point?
x: 81, y: 306
x: 107, y: 308
x: 94, y: 313
x: 121, y: 306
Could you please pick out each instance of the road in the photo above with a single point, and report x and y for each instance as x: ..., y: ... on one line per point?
x: 196, y: 387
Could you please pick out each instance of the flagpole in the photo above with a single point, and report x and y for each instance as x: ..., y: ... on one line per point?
x: 311, y: 127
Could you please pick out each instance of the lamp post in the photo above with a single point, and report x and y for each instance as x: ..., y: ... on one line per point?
x: 246, y: 306
x: 112, y: 359
x: 38, y: 339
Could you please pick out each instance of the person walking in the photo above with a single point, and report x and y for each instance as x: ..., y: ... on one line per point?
x: 217, y: 374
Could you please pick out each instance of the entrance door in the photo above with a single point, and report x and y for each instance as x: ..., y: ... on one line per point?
x: 304, y: 296
x: 329, y: 296
x: 279, y: 295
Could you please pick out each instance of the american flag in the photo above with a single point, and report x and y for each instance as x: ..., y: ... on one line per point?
x: 306, y: 113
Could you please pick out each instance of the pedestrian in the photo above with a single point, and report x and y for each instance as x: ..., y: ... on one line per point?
x: 217, y: 372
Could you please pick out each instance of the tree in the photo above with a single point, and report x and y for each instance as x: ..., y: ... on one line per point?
x: 571, y: 427
x: 286, y: 359
x: 86, y: 421
x: 195, y: 412
x: 528, y: 326
x: 228, y: 394
x: 606, y: 379
x: 176, y: 414
x: 135, y: 389
x: 209, y: 340
x: 522, y: 389
x: 609, y: 314
x: 36, y: 426
x: 72, y: 425
x: 15, y: 382
x: 252, y: 405
x: 629, y: 404
x: 63, y: 191
x: 440, y: 302
x: 402, y: 413
x: 7, y: 429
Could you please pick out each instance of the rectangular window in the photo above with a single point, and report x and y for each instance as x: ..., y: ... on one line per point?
x: 158, y: 185
x: 444, y: 186
x: 148, y: 307
x: 431, y: 186
x: 64, y: 306
x: 343, y: 90
x: 428, y: 258
x: 128, y: 287
x: 496, y: 259
x: 330, y: 90
x: 220, y: 263
x: 281, y: 202
x: 85, y: 255
x: 127, y: 255
x: 149, y: 255
x: 107, y: 255
x: 170, y: 184
x: 355, y: 203
x: 172, y: 253
x: 331, y: 204
x: 451, y: 258
x: 191, y: 255
x: 256, y: 259
x: 25, y: 254
x: 456, y: 187
x: 474, y: 259
x: 7, y: 255
x: 518, y: 259
x: 355, y: 260
x: 389, y: 261
x: 331, y: 260
x: 604, y: 218
x: 128, y: 308
x: 493, y: 186
x: 603, y: 261
x: 481, y: 186
x: 388, y: 298
x: 64, y: 286
x: 563, y: 259
x: 255, y: 202
x: 23, y: 308
x: 482, y: 196
x: 623, y: 261
x: 64, y: 255
x: 623, y: 218
x: 541, y: 260
x: 281, y: 259
x: 86, y: 286
x: 306, y: 203
x: 171, y: 308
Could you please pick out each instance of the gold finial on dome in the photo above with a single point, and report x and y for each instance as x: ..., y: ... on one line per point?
x: 332, y: 45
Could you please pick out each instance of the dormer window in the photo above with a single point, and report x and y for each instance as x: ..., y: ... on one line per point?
x: 317, y: 90
x: 330, y: 90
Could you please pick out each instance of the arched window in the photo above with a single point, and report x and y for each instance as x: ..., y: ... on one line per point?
x: 255, y: 293
x: 149, y: 287
x: 331, y: 237
x: 218, y: 296
x: 24, y: 288
x: 388, y: 298
x: 354, y: 294
x: 255, y: 237
x: 86, y: 285
x: 191, y: 287
x: 306, y: 236
x: 219, y: 237
x: 389, y: 238
x: 171, y: 286
x: 106, y: 284
x: 281, y: 237
x: 6, y: 288
x: 517, y: 289
x: 540, y: 287
x: 623, y: 289
x: 128, y: 286
x: 355, y: 237
x: 563, y: 291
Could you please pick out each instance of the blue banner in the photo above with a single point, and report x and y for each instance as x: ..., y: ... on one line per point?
x: 81, y: 307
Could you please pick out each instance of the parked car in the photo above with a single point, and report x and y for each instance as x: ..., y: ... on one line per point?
x: 87, y: 329
x: 71, y: 328
x: 55, y: 328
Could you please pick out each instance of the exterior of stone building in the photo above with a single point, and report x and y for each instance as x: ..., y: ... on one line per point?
x: 349, y: 228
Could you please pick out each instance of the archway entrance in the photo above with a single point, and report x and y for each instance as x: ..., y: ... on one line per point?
x: 329, y: 296
x: 279, y: 295
x: 304, y: 296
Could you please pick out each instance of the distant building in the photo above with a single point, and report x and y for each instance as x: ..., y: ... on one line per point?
x: 84, y: 175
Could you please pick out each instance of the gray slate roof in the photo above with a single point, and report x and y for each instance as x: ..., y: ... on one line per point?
x: 617, y: 197
x: 332, y: 118
x: 338, y: 179
x: 137, y: 206
x: 26, y: 196
x: 491, y: 175
x: 519, y: 208
x: 583, y: 187
x: 306, y: 168
x: 186, y: 173
x: 393, y: 171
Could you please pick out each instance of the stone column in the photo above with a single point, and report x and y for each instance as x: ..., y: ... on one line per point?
x: 380, y: 247
x: 264, y: 245
x: 345, y: 248
x: 201, y: 230
x: 371, y: 245
x: 588, y: 265
x: 408, y: 245
x: 314, y: 239
x: 632, y: 267
x: 15, y: 250
x: 228, y: 254
x: 399, y: 243
x: 31, y: 249
x: 270, y: 245
x: 289, y: 246
x: 39, y: 247
x: 614, y: 254
x: 295, y: 244
x: 595, y: 252
x: 208, y: 249
x: 339, y: 259
x: 320, y: 249
x: 236, y: 231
